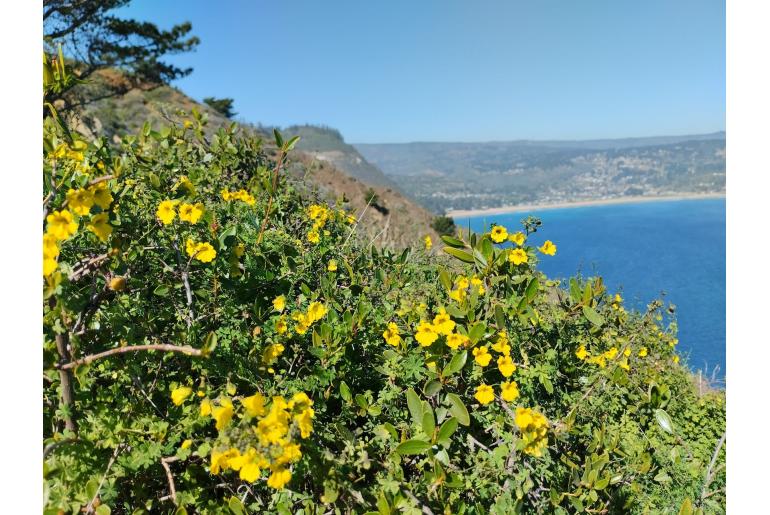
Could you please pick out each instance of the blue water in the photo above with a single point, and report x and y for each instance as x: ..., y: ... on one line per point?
x: 645, y: 250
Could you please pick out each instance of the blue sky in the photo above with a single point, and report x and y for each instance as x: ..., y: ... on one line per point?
x: 397, y: 71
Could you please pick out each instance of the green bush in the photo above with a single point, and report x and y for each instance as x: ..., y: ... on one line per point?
x: 215, y: 341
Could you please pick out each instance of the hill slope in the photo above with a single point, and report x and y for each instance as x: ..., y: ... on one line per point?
x: 322, y: 161
x: 444, y: 176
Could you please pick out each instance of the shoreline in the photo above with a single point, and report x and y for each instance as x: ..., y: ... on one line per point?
x: 470, y: 213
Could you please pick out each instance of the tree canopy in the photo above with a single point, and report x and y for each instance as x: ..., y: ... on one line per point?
x: 97, y: 39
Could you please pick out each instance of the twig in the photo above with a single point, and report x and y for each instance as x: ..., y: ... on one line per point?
x: 186, y: 280
x: 355, y: 225
x: 90, y: 506
x: 425, y: 509
x: 170, y: 477
x: 710, y: 470
x: 165, y: 347
x: 88, y: 266
x: 48, y: 449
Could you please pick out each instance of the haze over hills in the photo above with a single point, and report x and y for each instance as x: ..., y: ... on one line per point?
x: 446, y: 176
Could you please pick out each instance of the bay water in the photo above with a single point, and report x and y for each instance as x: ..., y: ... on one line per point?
x: 674, y: 250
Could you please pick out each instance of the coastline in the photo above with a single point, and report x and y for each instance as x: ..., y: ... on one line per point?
x: 470, y: 213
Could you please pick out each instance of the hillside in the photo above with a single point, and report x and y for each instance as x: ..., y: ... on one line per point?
x: 323, y: 160
x: 444, y: 176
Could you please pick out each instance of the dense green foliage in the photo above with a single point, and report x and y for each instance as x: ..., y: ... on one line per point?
x: 466, y: 383
x: 444, y: 225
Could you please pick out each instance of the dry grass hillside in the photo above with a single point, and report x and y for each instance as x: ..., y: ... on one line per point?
x: 392, y: 221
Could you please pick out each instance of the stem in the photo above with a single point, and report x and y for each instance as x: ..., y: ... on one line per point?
x: 710, y: 470
x: 65, y: 378
x: 171, y: 486
x: 277, y: 169
x: 165, y: 347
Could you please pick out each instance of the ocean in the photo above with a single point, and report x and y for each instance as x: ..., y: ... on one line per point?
x: 673, y: 250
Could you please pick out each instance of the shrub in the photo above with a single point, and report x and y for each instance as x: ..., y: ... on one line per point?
x: 215, y: 341
x: 444, y: 225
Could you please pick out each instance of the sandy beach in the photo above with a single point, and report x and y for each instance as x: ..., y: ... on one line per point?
x: 467, y: 213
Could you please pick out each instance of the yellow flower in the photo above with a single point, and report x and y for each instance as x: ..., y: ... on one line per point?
x: 581, y: 353
x: 482, y: 356
x: 190, y: 212
x: 533, y: 427
x: 498, y: 234
x: 50, y: 253
x: 280, y: 325
x: 186, y: 444
x: 100, y: 225
x: 179, y: 395
x: 624, y: 364
x: 610, y: 354
x: 313, y: 236
x: 166, y: 212
x: 80, y: 201
x: 548, y: 248
x: 643, y: 352
x: 223, y: 413
x: 506, y: 366
x: 501, y: 345
x: 517, y: 256
x: 255, y: 405
x: 332, y: 266
x: 279, y: 303
x: 101, y: 195
x: 484, y: 394
x: 425, y: 334
x: 316, y: 311
x: 517, y: 238
x: 206, y: 407
x: 462, y: 283
x: 455, y: 340
x: 442, y: 323
x: 627, y: 352
x: 279, y: 478
x: 509, y: 391
x: 458, y: 295
x: 203, y: 251
x: 478, y: 284
x: 391, y: 335
x: 303, y: 323
x: 676, y: 359
x: 305, y: 422
x: 220, y: 460
x: 272, y: 352
x: 61, y: 225
x: 428, y: 242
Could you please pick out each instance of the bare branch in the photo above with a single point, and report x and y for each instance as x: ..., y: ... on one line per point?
x: 164, y: 347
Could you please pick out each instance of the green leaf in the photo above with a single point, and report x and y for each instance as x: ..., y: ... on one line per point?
x: 290, y: 144
x: 428, y: 422
x: 459, y: 254
x: 592, y: 316
x: 500, y: 317
x: 161, y: 291
x: 456, y: 363
x: 345, y: 392
x: 414, y: 405
x: 361, y: 401
x: 574, y: 290
x: 686, y: 508
x: 278, y: 138
x: 477, y: 331
x: 458, y: 409
x: 443, y: 277
x: 480, y: 259
x: 531, y: 289
x: 453, y: 242
x: 446, y: 431
x: 413, y: 446
x: 103, y: 509
x: 236, y: 506
x: 664, y: 421
x: 432, y: 387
